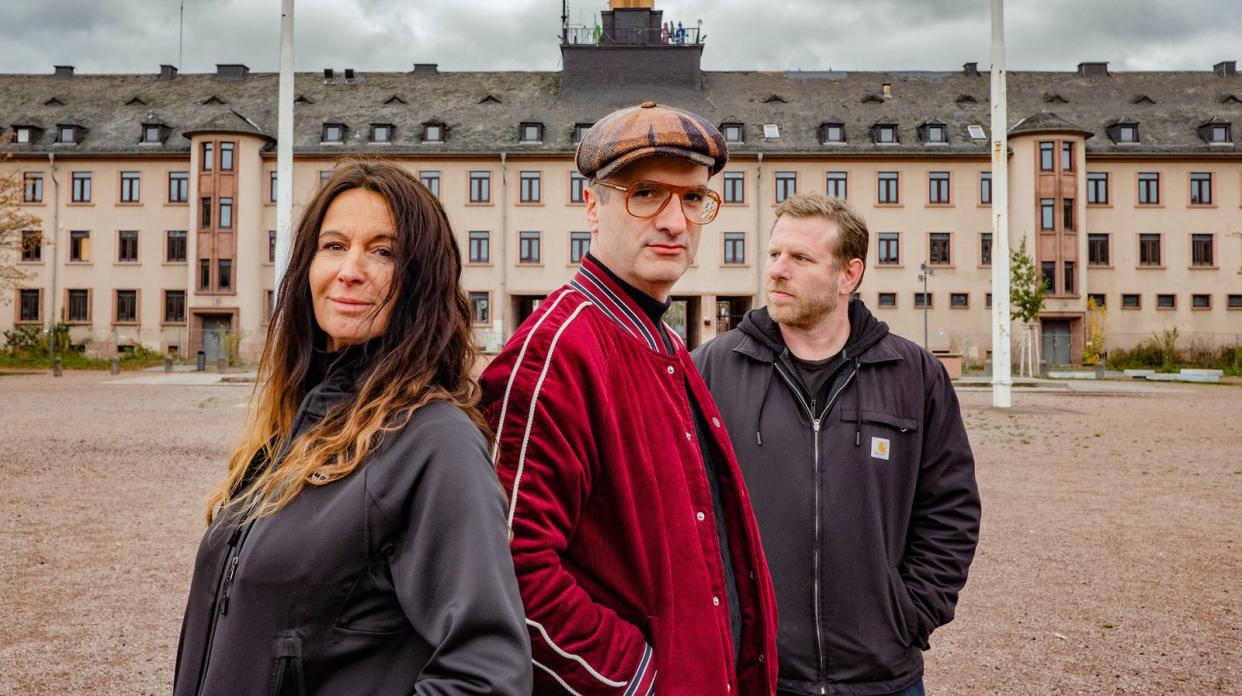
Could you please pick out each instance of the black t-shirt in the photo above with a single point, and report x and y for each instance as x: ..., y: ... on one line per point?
x: 815, y: 373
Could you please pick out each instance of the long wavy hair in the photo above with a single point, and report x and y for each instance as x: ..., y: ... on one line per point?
x: 425, y: 353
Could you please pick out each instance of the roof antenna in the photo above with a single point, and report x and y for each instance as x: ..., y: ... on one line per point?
x: 564, y: 22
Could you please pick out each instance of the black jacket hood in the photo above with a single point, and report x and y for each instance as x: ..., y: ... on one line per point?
x: 865, y: 331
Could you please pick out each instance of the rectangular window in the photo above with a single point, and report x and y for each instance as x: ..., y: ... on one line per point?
x: 480, y: 246
x: 1067, y: 214
x: 179, y: 187
x: 786, y: 185
x: 209, y: 156
x: 832, y: 133
x: 1045, y: 156
x: 174, y: 247
x: 734, y: 187
x: 127, y: 246
x: 938, y: 188
x: 1166, y: 301
x: 987, y: 300
x: 735, y: 247
x: 1068, y: 280
x: 151, y: 134
x: 480, y: 308
x: 1097, y: 188
x: 985, y: 249
x: 271, y: 246
x: 32, y: 187
x: 580, y: 129
x: 985, y: 188
x: 272, y: 188
x: 131, y: 185
x: 226, y: 213
x: 30, y: 305
x: 529, y: 187
x: 432, y: 181
x: 32, y: 246
x: 79, y: 309
x: 1201, y: 250
x: 1097, y: 249
x: 126, y: 307
x: 324, y: 177
x: 837, y: 185
x: 81, y: 187
x: 1067, y: 157
x: 1233, y: 301
x: 174, y: 306
x: 333, y: 133
x: 204, y: 274
x: 886, y: 134
x: 889, y: 249
x: 938, y: 253
x: 922, y: 300
x: 959, y: 300
x: 204, y: 220
x: 80, y: 246
x: 269, y: 305
x: 480, y: 187
x: 1201, y: 188
x: 888, y: 192
x: 1098, y: 298
x: 1149, y: 250
x: 888, y: 299
x: 1047, y: 214
x: 1149, y: 188
x: 224, y: 270
x: 578, y: 183
x: 532, y: 132
x: 732, y: 132
x: 67, y: 134
x: 1200, y: 301
x: 1048, y: 272
x: 579, y: 246
x: 381, y: 133
x: 433, y: 133
x: 530, y: 247
x: 1130, y: 301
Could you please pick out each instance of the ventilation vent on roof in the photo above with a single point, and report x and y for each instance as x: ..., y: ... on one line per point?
x: 873, y: 99
x: 394, y: 99
x: 1054, y: 98
x: 213, y: 99
x: 1142, y: 99
x: 1230, y: 99
x: 966, y: 99
x: 53, y: 102
x: 490, y: 99
x: 136, y: 101
x: 775, y: 98
x: 303, y: 99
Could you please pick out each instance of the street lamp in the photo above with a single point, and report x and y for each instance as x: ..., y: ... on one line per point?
x: 926, y: 298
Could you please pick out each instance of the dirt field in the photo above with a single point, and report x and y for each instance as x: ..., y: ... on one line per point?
x: 1109, y: 561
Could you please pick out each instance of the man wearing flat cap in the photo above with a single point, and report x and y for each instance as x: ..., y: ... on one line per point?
x: 637, y: 554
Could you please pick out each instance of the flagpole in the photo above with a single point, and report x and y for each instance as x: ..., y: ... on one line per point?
x: 284, y: 146
x: 1002, y: 378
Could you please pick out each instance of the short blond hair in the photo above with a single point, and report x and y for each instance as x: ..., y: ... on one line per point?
x: 853, y: 240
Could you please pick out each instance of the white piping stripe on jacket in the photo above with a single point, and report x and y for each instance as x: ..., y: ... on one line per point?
x: 602, y: 307
x: 534, y: 402
x: 504, y: 404
x: 570, y: 656
x: 651, y: 340
x: 556, y: 676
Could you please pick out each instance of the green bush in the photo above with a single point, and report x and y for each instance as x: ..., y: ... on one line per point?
x: 1148, y: 354
x: 33, y: 341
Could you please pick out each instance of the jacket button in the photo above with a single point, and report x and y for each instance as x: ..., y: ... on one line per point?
x: 700, y: 517
x: 716, y: 601
x: 671, y: 369
x: 689, y: 436
x: 716, y: 422
x: 760, y: 658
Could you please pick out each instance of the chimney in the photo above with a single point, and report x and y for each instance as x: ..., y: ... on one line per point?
x: 328, y: 73
x: 1093, y: 69
x: 970, y: 69
x: 167, y: 72
x: 426, y: 69
x: 1225, y: 68
x: 63, y: 71
x: 231, y: 70
x: 349, y: 74
x: 887, y: 89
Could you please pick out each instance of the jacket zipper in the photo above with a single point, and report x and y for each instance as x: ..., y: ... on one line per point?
x: 221, y: 606
x: 815, y: 427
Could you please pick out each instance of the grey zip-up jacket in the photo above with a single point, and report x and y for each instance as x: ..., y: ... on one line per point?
x: 865, y: 495
x: 394, y: 580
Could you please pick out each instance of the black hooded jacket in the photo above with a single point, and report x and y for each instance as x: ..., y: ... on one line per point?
x: 865, y: 495
x: 396, y: 579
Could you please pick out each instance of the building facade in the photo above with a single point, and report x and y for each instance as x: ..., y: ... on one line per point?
x: 155, y: 193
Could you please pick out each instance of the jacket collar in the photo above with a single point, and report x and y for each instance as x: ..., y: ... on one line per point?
x: 761, y: 337
x: 593, y: 281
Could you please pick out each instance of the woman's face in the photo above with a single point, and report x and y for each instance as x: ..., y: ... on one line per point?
x: 352, y: 269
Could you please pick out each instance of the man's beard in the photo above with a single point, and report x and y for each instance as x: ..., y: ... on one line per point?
x: 803, y: 312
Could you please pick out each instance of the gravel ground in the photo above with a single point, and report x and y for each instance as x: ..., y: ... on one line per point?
x: 1109, y: 561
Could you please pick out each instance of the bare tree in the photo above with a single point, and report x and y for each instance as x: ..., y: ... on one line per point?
x: 13, y: 221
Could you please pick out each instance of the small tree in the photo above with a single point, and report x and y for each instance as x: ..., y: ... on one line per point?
x: 1026, y: 288
x: 1093, y: 350
x: 13, y: 221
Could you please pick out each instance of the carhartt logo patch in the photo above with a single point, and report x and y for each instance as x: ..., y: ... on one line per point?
x: 879, y: 448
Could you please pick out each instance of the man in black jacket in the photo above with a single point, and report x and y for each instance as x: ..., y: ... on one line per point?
x: 859, y: 469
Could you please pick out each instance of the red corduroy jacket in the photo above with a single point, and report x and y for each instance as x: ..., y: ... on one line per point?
x: 614, y: 536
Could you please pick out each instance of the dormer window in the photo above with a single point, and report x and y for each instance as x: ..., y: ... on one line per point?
x: 831, y: 133
x: 732, y: 132
x: 433, y: 132
x: 580, y: 130
x: 934, y: 133
x: 1216, y: 132
x: 24, y: 135
x: 884, y: 134
x: 333, y: 133
x: 381, y: 132
x: 66, y: 134
x: 152, y: 133
x: 1123, y: 132
x: 530, y: 132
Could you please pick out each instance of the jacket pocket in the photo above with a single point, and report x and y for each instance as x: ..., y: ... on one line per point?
x: 287, y: 678
x: 897, y: 422
x: 903, y: 607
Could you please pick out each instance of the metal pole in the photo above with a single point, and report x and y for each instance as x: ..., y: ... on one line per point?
x: 51, y: 161
x: 284, y: 147
x: 1002, y: 377
x: 923, y: 267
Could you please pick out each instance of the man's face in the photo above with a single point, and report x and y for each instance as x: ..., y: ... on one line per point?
x: 649, y: 254
x: 805, y: 283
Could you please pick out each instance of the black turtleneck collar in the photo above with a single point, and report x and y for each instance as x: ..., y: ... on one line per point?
x: 652, y: 307
x: 344, y: 363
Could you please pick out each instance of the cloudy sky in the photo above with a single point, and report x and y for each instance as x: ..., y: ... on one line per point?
x: 138, y: 35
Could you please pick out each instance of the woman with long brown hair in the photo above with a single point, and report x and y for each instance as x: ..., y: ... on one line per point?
x: 358, y: 543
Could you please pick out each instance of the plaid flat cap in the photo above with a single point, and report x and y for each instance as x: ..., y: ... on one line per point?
x: 647, y: 130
